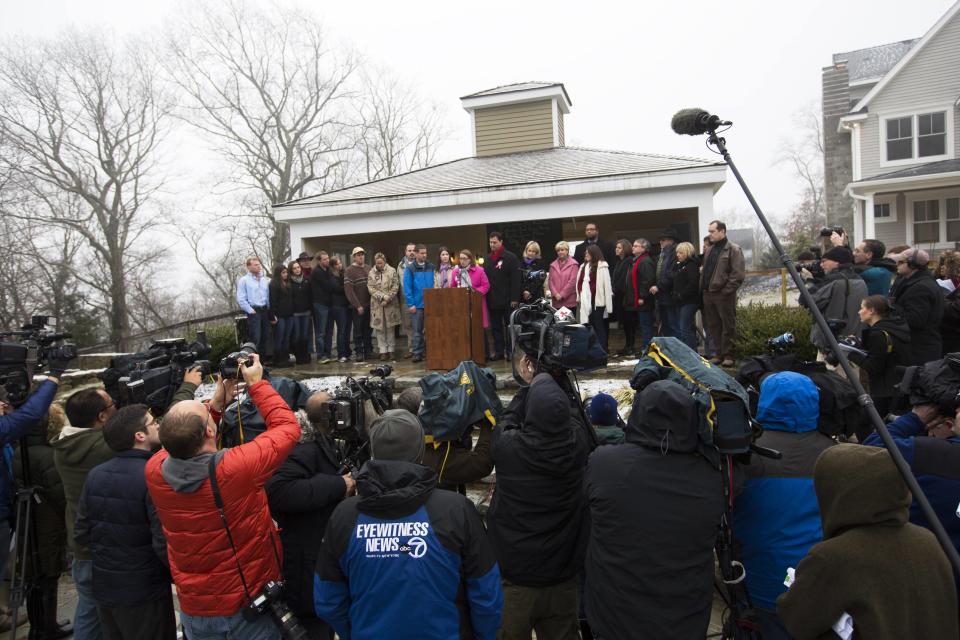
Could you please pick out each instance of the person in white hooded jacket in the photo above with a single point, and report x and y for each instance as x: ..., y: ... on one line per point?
x: 594, y: 293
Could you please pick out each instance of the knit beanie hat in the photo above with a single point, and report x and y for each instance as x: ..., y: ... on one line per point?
x: 839, y: 254
x: 396, y: 435
x: 603, y: 410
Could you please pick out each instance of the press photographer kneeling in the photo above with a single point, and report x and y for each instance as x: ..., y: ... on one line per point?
x: 223, y: 546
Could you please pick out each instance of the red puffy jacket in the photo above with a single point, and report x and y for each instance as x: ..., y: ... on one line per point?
x: 201, y: 560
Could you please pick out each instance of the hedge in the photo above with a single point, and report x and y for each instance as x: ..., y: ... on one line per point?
x: 757, y: 323
x: 222, y: 339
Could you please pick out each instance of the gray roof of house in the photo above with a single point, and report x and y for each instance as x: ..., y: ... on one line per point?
x: 528, y: 167
x: 873, y: 63
x: 510, y: 88
x: 933, y: 168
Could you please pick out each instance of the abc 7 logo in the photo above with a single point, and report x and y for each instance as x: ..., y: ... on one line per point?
x: 416, y: 547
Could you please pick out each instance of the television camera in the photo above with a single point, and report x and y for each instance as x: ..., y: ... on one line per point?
x: 25, y: 350
x: 347, y: 414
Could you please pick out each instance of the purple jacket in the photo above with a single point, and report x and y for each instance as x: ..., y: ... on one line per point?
x: 479, y: 282
x: 562, y: 283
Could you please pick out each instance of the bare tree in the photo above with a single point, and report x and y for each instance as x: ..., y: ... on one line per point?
x: 85, y: 118
x: 267, y: 87
x: 399, y: 131
x: 805, y: 155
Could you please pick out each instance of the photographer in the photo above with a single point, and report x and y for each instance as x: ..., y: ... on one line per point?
x: 218, y: 574
x: 838, y: 296
x: 537, y: 520
x: 914, y: 434
x: 919, y: 299
x: 886, y: 339
x: 302, y: 494
x: 872, y: 265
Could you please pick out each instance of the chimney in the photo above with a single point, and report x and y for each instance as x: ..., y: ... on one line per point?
x: 527, y: 116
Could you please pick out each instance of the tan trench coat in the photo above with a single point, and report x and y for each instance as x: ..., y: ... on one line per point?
x: 383, y: 288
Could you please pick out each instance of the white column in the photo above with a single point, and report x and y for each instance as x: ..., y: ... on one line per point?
x: 870, y: 226
x: 857, y: 223
x: 704, y: 215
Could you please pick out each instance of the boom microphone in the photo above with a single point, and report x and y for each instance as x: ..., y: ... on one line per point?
x: 696, y: 121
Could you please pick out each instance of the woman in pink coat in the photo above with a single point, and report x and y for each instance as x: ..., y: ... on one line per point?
x: 473, y: 277
x: 561, y: 284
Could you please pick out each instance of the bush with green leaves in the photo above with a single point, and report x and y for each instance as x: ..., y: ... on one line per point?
x: 222, y: 339
x: 757, y: 323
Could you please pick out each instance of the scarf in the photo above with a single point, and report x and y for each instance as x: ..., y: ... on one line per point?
x: 633, y: 278
x: 297, y: 279
x: 528, y: 261
x: 592, y: 281
x: 496, y: 255
x: 445, y: 272
x: 463, y: 277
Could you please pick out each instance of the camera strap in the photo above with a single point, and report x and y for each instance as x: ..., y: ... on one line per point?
x: 218, y: 499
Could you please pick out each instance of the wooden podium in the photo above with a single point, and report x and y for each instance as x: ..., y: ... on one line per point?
x: 453, y: 327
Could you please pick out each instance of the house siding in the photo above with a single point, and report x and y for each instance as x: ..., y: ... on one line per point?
x: 515, y: 127
x: 892, y: 234
x: 931, y: 78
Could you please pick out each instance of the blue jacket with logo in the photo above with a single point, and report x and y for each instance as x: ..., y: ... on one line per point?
x: 776, y: 519
x: 405, y: 560
x: 416, y: 278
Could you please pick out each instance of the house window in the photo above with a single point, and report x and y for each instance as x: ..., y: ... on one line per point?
x: 926, y: 221
x: 900, y: 138
x: 953, y: 219
x: 931, y: 134
x: 881, y: 212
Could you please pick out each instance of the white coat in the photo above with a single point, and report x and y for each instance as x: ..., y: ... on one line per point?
x: 604, y: 296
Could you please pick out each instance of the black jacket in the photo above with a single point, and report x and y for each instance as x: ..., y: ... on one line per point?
x: 536, y: 291
x: 281, y: 300
x: 950, y: 325
x: 302, y: 494
x: 919, y: 299
x: 321, y: 286
x: 537, y: 519
x: 338, y: 297
x: 686, y: 282
x: 118, y: 521
x: 664, y: 273
x: 504, y: 277
x: 655, y: 506
x: 887, y: 344
x: 50, y: 525
x: 302, y: 296
x: 646, y: 278
x: 608, y: 249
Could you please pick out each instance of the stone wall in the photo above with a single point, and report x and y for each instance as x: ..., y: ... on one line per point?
x: 837, y: 161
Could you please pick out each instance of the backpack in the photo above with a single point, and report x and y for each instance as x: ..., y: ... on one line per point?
x: 455, y: 401
x: 726, y: 427
x: 242, y: 422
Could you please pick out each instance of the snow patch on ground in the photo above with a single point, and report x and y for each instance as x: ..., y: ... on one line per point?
x: 325, y: 383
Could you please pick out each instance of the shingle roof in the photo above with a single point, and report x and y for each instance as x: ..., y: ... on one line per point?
x: 509, y: 88
x: 873, y: 63
x: 932, y: 168
x: 528, y: 167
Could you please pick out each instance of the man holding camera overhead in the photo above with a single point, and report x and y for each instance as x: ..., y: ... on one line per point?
x: 223, y: 546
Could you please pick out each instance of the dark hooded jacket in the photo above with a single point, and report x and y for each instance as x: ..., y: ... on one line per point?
x: 655, y: 506
x: 772, y: 538
x: 919, y: 299
x: 887, y: 344
x: 950, y: 325
x: 878, y: 275
x: 537, y: 518
x: 405, y: 560
x: 890, y: 576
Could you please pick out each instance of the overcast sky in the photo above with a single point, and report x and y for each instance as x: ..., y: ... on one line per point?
x: 627, y: 66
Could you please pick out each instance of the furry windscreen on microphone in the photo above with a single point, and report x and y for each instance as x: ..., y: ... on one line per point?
x: 688, y: 121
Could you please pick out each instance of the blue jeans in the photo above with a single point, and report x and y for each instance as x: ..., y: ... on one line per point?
x: 688, y: 324
x: 339, y: 316
x: 86, y: 623
x: 669, y: 321
x: 281, y: 337
x: 258, y: 328
x: 320, y: 330
x: 229, y: 627
x: 416, y: 323
x: 645, y: 318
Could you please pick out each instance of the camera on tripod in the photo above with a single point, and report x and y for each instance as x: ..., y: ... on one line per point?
x: 345, y: 412
x: 553, y: 343
x: 30, y: 348
x: 152, y: 377
x: 270, y: 600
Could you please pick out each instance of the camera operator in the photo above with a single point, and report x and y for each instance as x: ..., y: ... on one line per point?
x: 14, y: 424
x: 919, y: 299
x: 221, y: 557
x: 537, y: 519
x: 302, y: 494
x: 886, y: 339
x: 838, y: 296
x: 914, y: 434
x: 773, y: 538
x: 655, y: 506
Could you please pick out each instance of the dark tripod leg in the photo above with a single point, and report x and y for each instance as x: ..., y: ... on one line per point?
x: 18, y: 582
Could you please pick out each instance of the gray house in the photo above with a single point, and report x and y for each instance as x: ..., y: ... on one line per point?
x: 892, y: 150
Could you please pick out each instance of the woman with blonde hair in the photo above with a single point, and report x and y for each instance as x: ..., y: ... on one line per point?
x: 561, y: 284
x: 383, y: 282
x: 686, y: 292
x: 531, y: 288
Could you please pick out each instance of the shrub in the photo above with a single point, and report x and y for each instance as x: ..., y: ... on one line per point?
x: 222, y: 339
x: 757, y: 323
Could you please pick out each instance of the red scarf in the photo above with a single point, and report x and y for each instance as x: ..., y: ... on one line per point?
x: 496, y: 256
x: 633, y: 275
x: 592, y: 280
